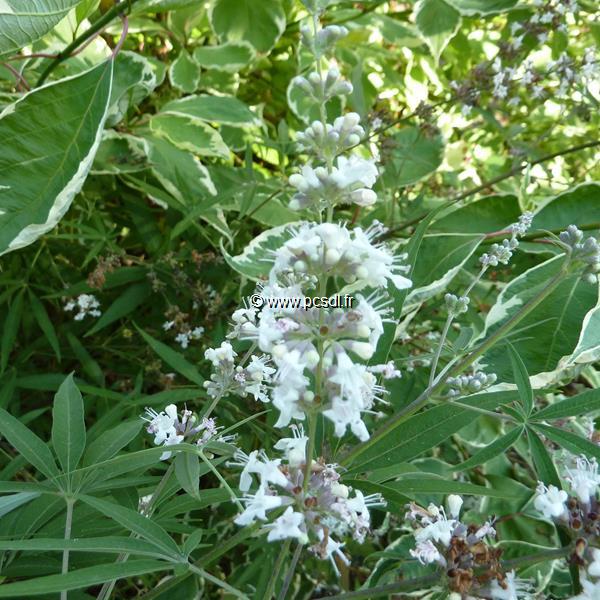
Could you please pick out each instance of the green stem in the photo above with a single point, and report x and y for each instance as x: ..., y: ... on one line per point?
x: 422, y: 399
x: 312, y: 434
x: 221, y: 479
x: 290, y: 573
x: 283, y: 553
x: 218, y: 582
x: 65, y: 556
x: 117, y: 10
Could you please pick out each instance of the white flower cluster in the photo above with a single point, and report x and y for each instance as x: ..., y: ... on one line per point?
x: 349, y: 182
x: 85, y: 305
x: 442, y: 539
x: 578, y: 512
x: 583, y: 250
x: 183, y: 338
x: 331, y: 140
x: 502, y: 253
x: 170, y: 428
x: 314, y: 511
x: 470, y: 384
x: 227, y: 377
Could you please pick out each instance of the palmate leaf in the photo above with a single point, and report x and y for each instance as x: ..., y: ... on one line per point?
x: 25, y: 21
x: 47, y: 152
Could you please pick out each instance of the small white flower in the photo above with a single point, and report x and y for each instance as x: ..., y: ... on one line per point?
x: 287, y: 526
x: 514, y: 589
x: 294, y: 447
x: 426, y: 553
x: 257, y: 506
x: 454, y: 503
x: 584, y: 479
x: 591, y: 591
x: 550, y: 501
x: 224, y: 353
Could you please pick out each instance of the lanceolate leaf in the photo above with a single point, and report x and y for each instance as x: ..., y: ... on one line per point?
x: 25, y: 21
x: 111, y: 441
x: 81, y: 578
x: 497, y: 447
x: 43, y: 320
x: 28, y: 444
x: 423, y: 431
x: 49, y: 139
x: 584, y: 403
x: 12, y: 323
x: 521, y: 379
x: 68, y: 426
x: 9, y: 503
x: 544, y: 467
x: 570, y: 441
x: 136, y: 523
x: 187, y: 470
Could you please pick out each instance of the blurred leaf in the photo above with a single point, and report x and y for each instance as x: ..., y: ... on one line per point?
x: 231, y: 57
x: 437, y: 22
x: 184, y: 73
x: 12, y: 323
x: 261, y: 24
x: 43, y: 320
x: 226, y: 110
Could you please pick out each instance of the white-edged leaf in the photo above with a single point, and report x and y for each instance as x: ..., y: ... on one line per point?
x: 481, y: 7
x: 226, y: 110
x: 189, y: 133
x: 46, y: 157
x: 256, y: 260
x: 68, y: 425
x: 184, y: 73
x: 25, y: 21
x: 229, y: 57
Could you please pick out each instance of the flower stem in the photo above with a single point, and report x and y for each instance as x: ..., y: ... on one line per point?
x: 283, y: 553
x: 218, y: 582
x: 65, y: 556
x: 221, y: 479
x: 290, y: 573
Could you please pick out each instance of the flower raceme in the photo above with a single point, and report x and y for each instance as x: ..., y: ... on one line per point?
x: 315, y: 512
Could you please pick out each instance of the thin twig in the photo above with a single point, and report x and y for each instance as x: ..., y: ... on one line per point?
x: 21, y: 81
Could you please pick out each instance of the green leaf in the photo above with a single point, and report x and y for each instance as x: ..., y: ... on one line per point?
x: 226, y: 110
x: 410, y: 486
x: 256, y: 260
x: 570, y: 441
x: 438, y: 23
x: 28, y: 445
x: 421, y: 432
x: 487, y: 215
x: 545, y: 338
x: 68, y: 425
x: 46, y: 157
x: 544, y: 466
x: 10, y: 330
x: 173, y: 359
x: 124, y: 305
x: 189, y: 133
x: 9, y: 503
x: 230, y: 57
x: 441, y: 256
x: 187, y: 470
x: 498, y: 446
x: 587, y: 402
x: 110, y: 442
x: 90, y: 366
x: 119, y: 153
x: 81, y: 578
x: 414, y: 156
x: 184, y: 73
x: 136, y: 523
x: 43, y: 320
x: 481, y: 7
x: 578, y: 205
x: 259, y: 23
x: 521, y: 378
x: 109, y: 544
x: 25, y: 21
